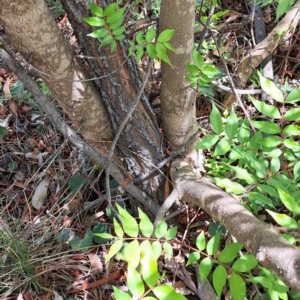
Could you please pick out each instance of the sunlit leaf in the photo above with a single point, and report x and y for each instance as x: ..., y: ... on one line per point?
x: 94, y: 21
x: 167, y: 292
x: 293, y: 96
x: 207, y: 141
x: 118, y: 229
x: 230, y: 186
x: 96, y: 10
x: 269, y: 110
x: 242, y: 173
x: 132, y: 254
x: 228, y: 254
x: 293, y: 114
x: 161, y: 52
x: 270, y: 88
x: 205, y: 267
x: 283, y: 219
x: 231, y: 125
x: 219, y: 279
x: 288, y: 201
x: 109, y: 9
x: 129, y: 223
x: 135, y: 282
x: 213, y: 243
x: 237, y: 287
x: 245, y: 263
x: 165, y: 35
x: 150, y: 35
x: 193, y: 257
x: 171, y: 233
x: 168, y: 249
x: 200, y: 241
x: 223, y: 146
x: 198, y: 59
x: 146, y: 225
x: 120, y: 295
x: 266, y: 126
x: 100, y: 33
x: 161, y: 229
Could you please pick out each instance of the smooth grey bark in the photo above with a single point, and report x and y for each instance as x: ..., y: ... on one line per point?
x: 177, y: 99
x: 259, y: 238
x: 32, y: 30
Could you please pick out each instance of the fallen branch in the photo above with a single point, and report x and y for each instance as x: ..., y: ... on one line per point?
x: 259, y: 238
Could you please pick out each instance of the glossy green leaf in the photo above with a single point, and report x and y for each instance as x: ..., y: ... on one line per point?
x: 245, y: 263
x: 237, y: 287
x: 275, y: 165
x: 156, y: 249
x: 165, y: 35
x: 291, y: 144
x: 274, y: 153
x: 168, y: 249
x: 228, y: 254
x: 198, y: 59
x: 120, y: 295
x: 132, y: 254
x: 129, y: 223
x: 293, y: 96
x: 118, y: 229
x: 213, y: 243
x: 243, y: 174
x: 219, y: 279
x: 230, y: 186
x: 266, y: 126
x: 114, y: 249
x: 283, y: 219
x: 292, y: 129
x: 161, y: 52
x: 231, y: 125
x: 135, y: 282
x: 171, y: 233
x: 167, y: 292
x: 96, y: 10
x: 149, y: 269
x: 150, y: 35
x: 193, y: 257
x: 269, y: 110
x: 161, y: 229
x: 264, y: 281
x: 118, y: 30
x: 293, y: 114
x: 94, y: 21
x: 205, y: 267
x: 100, y: 33
x: 215, y: 120
x: 109, y: 9
x: 146, y: 225
x: 288, y: 201
x: 200, y: 241
x: 116, y: 24
x: 115, y: 16
x: 105, y: 235
x: 207, y: 141
x: 151, y: 51
x: 270, y: 141
x: 270, y: 88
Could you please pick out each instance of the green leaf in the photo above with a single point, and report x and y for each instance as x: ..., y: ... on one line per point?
x: 140, y: 52
x: 296, y: 171
x: 275, y: 165
x: 115, y: 16
x: 259, y: 166
x: 193, y: 257
x: 94, y: 21
x: 264, y: 281
x: 270, y: 141
x: 291, y: 130
x: 3, y: 131
x: 156, y: 249
x: 244, y: 175
x: 106, y: 40
x: 168, y: 249
x: 171, y: 233
x: 198, y: 59
x: 114, y: 249
x: 116, y: 24
x: 282, y: 8
x: 149, y: 269
x: 213, y: 243
x: 120, y: 295
x: 228, y: 254
x: 245, y: 263
x: 96, y: 10
x: 266, y: 126
x: 135, y: 282
x: 146, y: 225
x: 230, y: 186
x: 118, y: 229
x: 205, y: 267
x: 288, y: 201
x: 266, y: 189
x: 150, y: 48
x: 231, y: 125
x: 269, y: 110
x: 106, y: 236
x: 222, y: 147
x: 76, y: 181
x: 82, y: 244
x: 293, y: 96
x: 169, y: 46
x: 192, y: 69
x: 291, y: 144
x: 98, y: 34
x: 260, y: 199
x: 161, y: 229
x: 150, y: 35
x: 165, y: 35
x: 166, y: 292
x: 109, y: 9
x: 207, y: 141
x: 237, y: 287
x: 100, y: 228
x: 210, y: 70
x: 113, y: 46
x: 132, y: 254
x: 200, y: 241
x: 293, y: 114
x: 283, y: 219
x: 129, y: 223
x: 270, y: 88
x: 274, y: 153
x: 140, y: 38
x: 118, y: 30
x: 219, y: 279
x: 161, y: 52
x: 244, y: 132
x: 215, y: 120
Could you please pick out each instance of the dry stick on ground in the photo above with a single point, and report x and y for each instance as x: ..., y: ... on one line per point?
x: 259, y: 238
x: 263, y: 50
x: 71, y: 135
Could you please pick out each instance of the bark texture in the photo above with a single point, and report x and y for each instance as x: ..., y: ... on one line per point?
x: 177, y: 99
x: 259, y: 238
x: 32, y: 30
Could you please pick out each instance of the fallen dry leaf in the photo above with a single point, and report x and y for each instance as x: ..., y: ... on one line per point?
x: 40, y: 193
